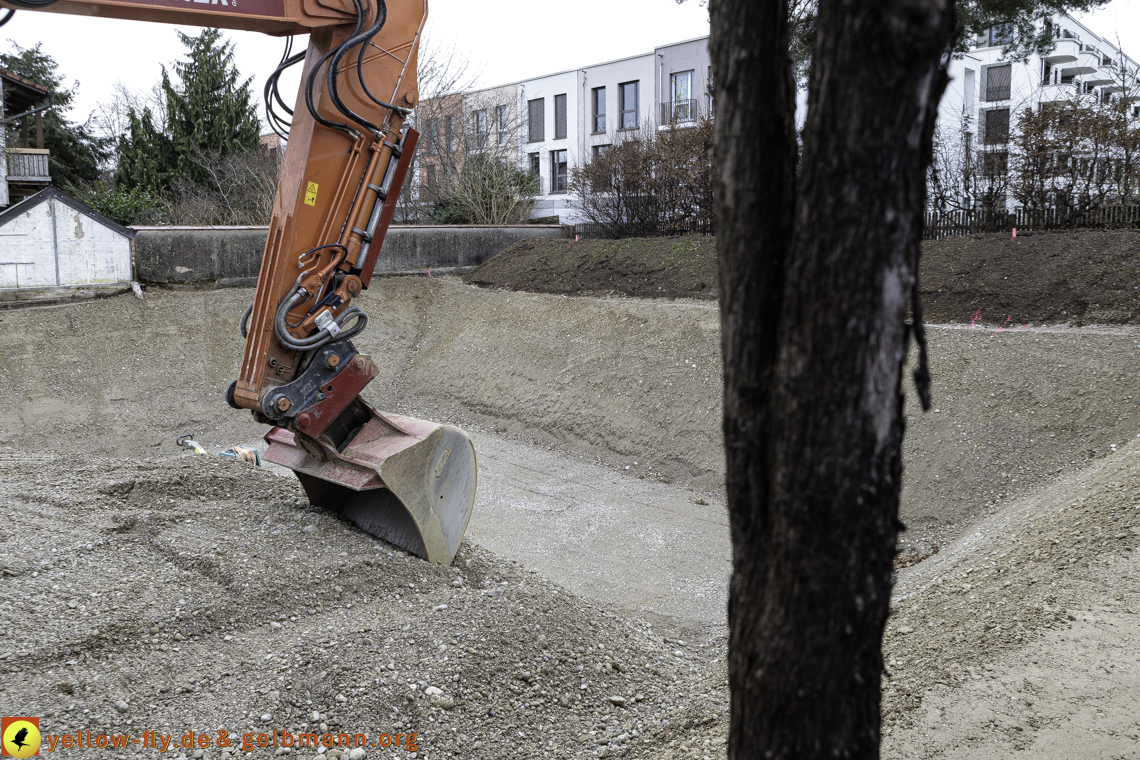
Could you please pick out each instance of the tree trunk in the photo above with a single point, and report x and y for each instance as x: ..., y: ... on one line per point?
x: 816, y: 277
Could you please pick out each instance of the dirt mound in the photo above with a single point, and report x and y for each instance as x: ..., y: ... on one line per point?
x: 642, y: 267
x: 1022, y: 634
x: 1080, y: 277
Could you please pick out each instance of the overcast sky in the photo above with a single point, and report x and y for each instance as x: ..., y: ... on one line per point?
x: 504, y: 40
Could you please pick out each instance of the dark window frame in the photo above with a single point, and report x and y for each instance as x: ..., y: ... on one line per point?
x: 622, y: 105
x: 996, y: 129
x: 536, y: 120
x: 560, y: 117
x: 598, y: 98
x: 559, y: 177
x: 999, y: 81
x: 501, y: 124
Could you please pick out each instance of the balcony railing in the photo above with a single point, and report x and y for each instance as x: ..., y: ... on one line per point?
x: 679, y: 112
x: 28, y: 165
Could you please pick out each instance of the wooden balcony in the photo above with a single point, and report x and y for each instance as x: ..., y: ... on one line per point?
x: 28, y: 165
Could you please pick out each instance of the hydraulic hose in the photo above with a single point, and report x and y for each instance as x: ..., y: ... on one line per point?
x: 298, y: 294
x: 243, y: 325
x: 354, y: 134
x: 330, y: 73
x: 381, y: 17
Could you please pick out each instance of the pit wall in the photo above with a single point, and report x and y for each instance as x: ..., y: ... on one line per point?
x: 232, y: 255
x: 625, y: 380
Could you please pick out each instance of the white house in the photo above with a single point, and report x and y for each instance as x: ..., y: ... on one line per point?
x: 52, y: 240
x: 987, y: 90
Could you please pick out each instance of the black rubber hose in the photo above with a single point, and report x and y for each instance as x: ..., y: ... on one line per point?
x: 243, y: 325
x: 330, y: 74
x: 381, y: 17
x: 31, y: 3
x: 279, y: 124
x: 7, y: 16
x: 313, y: 78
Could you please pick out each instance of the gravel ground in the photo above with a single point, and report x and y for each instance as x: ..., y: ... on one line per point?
x: 148, y: 590
x: 199, y: 594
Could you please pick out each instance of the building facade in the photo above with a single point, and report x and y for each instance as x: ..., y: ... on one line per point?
x: 551, y: 124
x: 22, y: 105
x: 977, y: 150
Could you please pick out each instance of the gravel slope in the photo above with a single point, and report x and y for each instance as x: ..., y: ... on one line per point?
x: 124, y: 573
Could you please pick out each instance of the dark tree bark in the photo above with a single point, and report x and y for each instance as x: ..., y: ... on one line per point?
x: 817, y: 273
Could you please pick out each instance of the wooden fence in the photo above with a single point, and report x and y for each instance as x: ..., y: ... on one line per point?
x: 943, y: 224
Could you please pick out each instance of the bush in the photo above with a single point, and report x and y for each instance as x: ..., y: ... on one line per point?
x: 127, y: 207
x: 487, y: 189
x: 651, y: 184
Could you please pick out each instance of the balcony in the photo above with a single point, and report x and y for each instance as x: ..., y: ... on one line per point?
x: 680, y: 112
x: 1087, y: 62
x: 28, y: 165
x: 1064, y: 51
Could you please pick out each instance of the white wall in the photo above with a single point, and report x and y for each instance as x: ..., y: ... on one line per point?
x: 88, y: 252
x: 566, y: 83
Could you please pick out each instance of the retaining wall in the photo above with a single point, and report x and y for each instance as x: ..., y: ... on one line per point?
x: 202, y: 254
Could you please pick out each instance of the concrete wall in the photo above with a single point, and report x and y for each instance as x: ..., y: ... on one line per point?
x: 52, y: 244
x: 201, y: 254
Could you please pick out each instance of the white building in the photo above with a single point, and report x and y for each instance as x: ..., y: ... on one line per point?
x: 987, y: 92
x: 561, y: 120
x: 51, y: 240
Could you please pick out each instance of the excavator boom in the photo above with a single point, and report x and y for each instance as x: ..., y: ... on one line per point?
x: 407, y: 481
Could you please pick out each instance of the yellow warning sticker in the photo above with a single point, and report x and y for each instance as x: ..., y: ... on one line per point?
x: 311, y: 194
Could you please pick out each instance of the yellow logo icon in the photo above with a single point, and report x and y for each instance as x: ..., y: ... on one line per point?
x: 21, y: 737
x: 311, y: 194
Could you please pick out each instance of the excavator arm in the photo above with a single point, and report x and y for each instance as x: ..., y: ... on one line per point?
x: 408, y: 481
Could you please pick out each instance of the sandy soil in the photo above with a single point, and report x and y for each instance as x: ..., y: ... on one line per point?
x: 181, y: 592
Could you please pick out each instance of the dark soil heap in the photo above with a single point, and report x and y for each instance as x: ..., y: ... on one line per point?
x: 643, y: 267
x: 1079, y: 277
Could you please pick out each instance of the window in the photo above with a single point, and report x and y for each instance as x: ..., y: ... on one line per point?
x: 598, y: 104
x: 1002, y: 34
x: 997, y: 82
x: 480, y: 123
x: 600, y: 183
x: 997, y: 126
x: 995, y: 165
x: 431, y: 130
x: 534, y: 164
x: 627, y: 104
x: 536, y: 120
x: 501, y: 124
x: 559, y: 117
x: 557, y: 171
x: 1046, y: 72
x: 449, y: 123
x: 429, y: 176
x: 683, y: 107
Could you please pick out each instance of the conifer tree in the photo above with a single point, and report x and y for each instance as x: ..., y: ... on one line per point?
x: 209, y: 111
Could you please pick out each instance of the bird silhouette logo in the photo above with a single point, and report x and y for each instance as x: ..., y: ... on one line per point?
x: 21, y: 737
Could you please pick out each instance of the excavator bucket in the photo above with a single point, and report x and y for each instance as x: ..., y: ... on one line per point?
x: 407, y: 481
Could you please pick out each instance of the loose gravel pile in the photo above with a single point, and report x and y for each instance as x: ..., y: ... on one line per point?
x: 204, y: 595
